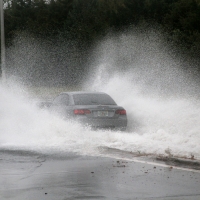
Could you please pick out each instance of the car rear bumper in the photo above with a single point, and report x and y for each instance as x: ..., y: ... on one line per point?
x: 108, y: 123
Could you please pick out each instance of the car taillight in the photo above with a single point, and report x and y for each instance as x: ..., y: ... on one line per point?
x: 121, y: 112
x: 81, y: 111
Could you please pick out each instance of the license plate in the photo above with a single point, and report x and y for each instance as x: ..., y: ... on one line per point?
x: 102, y: 113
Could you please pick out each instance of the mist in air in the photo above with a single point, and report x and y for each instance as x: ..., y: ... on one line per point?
x: 139, y: 69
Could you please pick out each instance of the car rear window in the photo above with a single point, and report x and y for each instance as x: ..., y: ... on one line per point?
x: 93, y: 99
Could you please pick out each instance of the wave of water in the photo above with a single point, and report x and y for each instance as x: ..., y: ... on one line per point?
x: 163, y: 111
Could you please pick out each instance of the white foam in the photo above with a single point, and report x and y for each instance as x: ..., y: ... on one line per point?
x: 153, y: 89
x: 155, y: 126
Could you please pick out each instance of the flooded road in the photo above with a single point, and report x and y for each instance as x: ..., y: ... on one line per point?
x: 43, y: 156
x: 30, y: 175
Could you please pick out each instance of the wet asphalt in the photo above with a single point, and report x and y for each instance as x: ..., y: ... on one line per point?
x: 26, y: 175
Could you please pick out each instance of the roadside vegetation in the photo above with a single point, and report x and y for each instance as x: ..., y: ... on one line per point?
x: 89, y: 19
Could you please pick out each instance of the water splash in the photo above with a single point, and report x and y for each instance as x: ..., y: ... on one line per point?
x: 143, y: 76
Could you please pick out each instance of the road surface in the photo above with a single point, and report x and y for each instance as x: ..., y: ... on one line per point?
x: 26, y: 175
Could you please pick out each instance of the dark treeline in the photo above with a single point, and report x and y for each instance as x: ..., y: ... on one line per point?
x: 89, y: 19
x: 44, y: 26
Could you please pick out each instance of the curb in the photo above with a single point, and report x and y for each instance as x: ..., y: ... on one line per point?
x: 183, y: 162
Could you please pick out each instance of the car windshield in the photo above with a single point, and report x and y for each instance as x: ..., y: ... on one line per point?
x: 93, y: 99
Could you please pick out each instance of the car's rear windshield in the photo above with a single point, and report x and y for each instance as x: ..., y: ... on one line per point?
x: 93, y: 99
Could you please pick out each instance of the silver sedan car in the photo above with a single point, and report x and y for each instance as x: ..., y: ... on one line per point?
x: 93, y: 109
